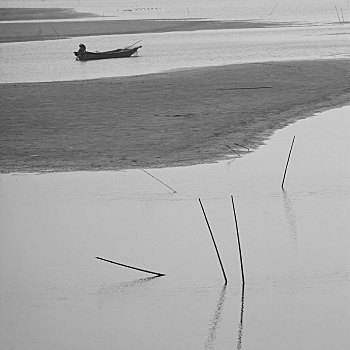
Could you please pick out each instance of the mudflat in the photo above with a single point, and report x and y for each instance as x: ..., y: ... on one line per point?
x: 167, y: 119
x: 20, y: 14
x: 49, y: 30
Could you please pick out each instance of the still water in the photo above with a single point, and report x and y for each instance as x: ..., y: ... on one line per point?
x: 54, y: 60
x: 283, y: 10
x: 56, y: 295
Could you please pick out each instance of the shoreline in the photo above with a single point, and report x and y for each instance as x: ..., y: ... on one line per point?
x: 135, y: 122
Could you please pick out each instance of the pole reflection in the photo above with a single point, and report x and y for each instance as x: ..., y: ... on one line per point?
x: 291, y: 218
x: 214, y: 323
x: 240, y: 329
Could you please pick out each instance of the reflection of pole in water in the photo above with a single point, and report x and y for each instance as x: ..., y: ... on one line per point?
x: 291, y: 219
x: 215, y: 321
x: 240, y: 329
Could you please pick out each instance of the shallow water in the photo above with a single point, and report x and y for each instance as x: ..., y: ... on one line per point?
x: 295, y: 246
x: 282, y: 10
x: 54, y: 60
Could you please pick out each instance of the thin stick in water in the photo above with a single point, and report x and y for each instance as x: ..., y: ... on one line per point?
x: 212, y: 237
x: 241, y: 146
x: 54, y: 30
x: 131, y: 267
x: 342, y: 15
x: 239, y: 242
x: 158, y: 180
x: 233, y: 150
x: 285, y: 170
x: 337, y: 14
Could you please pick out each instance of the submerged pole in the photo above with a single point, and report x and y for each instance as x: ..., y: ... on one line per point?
x: 285, y: 170
x: 212, y: 237
x: 239, y: 242
x: 158, y: 180
x: 131, y: 267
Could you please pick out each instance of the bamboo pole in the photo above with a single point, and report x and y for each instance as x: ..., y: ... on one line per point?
x: 233, y: 150
x: 239, y: 242
x: 242, y: 146
x: 131, y: 267
x: 212, y: 237
x: 285, y: 170
x: 158, y: 180
x: 337, y: 14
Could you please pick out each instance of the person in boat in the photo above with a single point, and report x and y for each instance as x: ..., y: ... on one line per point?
x: 82, y: 50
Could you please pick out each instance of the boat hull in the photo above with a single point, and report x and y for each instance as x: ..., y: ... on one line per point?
x: 119, y: 53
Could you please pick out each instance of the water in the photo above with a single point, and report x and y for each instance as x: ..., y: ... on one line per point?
x: 271, y: 10
x: 54, y: 60
x: 55, y: 295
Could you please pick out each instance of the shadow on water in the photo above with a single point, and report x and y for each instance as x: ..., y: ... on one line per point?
x: 291, y: 218
x: 240, y: 329
x: 209, y: 343
x: 127, y: 286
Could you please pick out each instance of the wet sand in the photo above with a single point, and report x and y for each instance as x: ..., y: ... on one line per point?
x: 50, y: 30
x: 25, y: 14
x: 158, y: 120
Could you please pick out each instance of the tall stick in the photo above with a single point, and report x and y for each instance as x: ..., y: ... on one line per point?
x: 158, y: 180
x: 239, y: 242
x: 337, y: 14
x: 285, y: 170
x: 212, y: 237
x: 131, y: 267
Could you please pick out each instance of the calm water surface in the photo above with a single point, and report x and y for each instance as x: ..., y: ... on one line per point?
x: 282, y: 10
x: 54, y: 60
x: 55, y: 295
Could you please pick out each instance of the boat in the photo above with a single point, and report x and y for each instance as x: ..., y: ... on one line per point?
x: 83, y: 55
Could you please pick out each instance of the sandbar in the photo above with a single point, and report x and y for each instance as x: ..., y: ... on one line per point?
x: 50, y: 30
x: 159, y: 120
x: 18, y: 14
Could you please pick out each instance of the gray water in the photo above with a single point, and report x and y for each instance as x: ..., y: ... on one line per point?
x: 56, y: 295
x: 269, y: 10
x: 54, y: 60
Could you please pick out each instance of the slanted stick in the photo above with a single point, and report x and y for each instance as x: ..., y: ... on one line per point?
x: 285, y: 170
x: 158, y: 180
x: 131, y: 267
x: 239, y: 242
x: 212, y: 237
x: 233, y: 150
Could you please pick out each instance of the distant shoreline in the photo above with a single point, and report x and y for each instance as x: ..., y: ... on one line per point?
x: 51, y: 30
x: 161, y: 120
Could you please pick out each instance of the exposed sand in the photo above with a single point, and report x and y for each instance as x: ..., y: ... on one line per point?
x: 158, y: 120
x: 10, y: 32
x: 17, y: 14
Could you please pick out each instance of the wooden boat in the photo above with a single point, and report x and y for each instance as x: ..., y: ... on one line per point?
x: 119, y: 53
